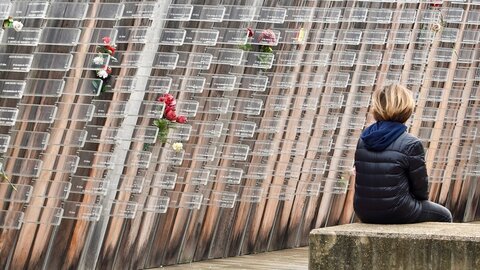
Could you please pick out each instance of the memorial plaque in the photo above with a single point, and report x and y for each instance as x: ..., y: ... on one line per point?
x: 158, y: 85
x: 326, y: 15
x: 188, y: 84
x: 56, y: 190
x: 406, y: 16
x: 355, y: 14
x: 270, y: 15
x: 51, y: 61
x: 106, y: 11
x: 223, y: 199
x: 232, y: 36
x: 234, y: 151
x: 208, y: 129
x: 156, y: 204
x: 188, y: 108
x: 36, y: 113
x: 67, y: 11
x: 43, y: 215
x: 375, y: 37
x: 166, y: 60
x: 22, y: 38
x: 221, y: 82
x: 88, y: 185
x: 194, y: 60
x: 138, y: 10
x: 63, y: 163
x: 244, y: 129
x: 207, y: 13
x: 32, y: 140
x: 76, y: 111
x: 324, y: 37
x: 258, y: 60
x: 23, y: 167
x: 60, y: 36
x: 15, y: 62
x: 131, y: 34
x: 349, y: 37
x: 248, y: 106
x: 226, y: 56
x: 21, y: 194
x: 239, y: 13
x: 201, y: 37
x: 251, y: 194
x: 11, y: 220
x: 255, y: 83
x: 199, y: 176
x: 123, y: 209
x: 379, y: 16
x: 164, y: 180
x: 71, y: 137
x: 12, y: 89
x: 299, y: 14
x: 179, y: 13
x: 4, y: 142
x: 173, y: 37
x: 337, y: 79
x: 81, y: 211
x: 5, y: 9
x: 288, y: 59
x: 29, y: 9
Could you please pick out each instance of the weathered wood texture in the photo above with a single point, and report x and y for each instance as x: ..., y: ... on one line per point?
x: 299, y: 118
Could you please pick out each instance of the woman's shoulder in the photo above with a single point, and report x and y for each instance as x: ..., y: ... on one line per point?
x: 406, y: 142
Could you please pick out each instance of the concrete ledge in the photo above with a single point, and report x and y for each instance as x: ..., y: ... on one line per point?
x: 412, y: 246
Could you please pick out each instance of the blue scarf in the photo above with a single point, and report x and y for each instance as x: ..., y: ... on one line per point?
x: 380, y: 135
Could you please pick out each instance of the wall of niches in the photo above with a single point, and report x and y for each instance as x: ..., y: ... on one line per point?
x: 136, y: 134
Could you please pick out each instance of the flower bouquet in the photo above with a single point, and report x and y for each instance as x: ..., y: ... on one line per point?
x: 169, y: 118
x: 103, y: 71
x: 267, y: 38
x: 10, y: 23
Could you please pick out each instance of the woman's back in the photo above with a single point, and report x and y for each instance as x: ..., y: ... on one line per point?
x: 382, y: 188
x: 391, y: 183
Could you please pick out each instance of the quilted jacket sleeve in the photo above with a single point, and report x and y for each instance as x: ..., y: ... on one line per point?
x: 417, y: 172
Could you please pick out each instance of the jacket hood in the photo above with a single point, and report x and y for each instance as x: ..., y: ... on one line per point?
x: 380, y: 135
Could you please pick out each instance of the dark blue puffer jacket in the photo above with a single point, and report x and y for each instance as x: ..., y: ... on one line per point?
x: 391, y: 177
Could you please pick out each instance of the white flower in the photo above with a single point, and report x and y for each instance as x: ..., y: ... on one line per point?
x: 436, y: 27
x: 177, y: 147
x: 17, y: 26
x: 102, y: 74
x: 98, y: 60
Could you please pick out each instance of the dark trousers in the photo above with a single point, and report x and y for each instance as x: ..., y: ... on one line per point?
x: 434, y: 212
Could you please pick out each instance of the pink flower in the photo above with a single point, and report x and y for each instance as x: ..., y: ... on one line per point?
x: 106, y: 40
x: 171, y: 115
x: 168, y: 109
x: 267, y: 36
x: 181, y: 119
x: 250, y: 32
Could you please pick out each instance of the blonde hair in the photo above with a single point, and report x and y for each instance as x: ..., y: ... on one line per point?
x: 393, y: 103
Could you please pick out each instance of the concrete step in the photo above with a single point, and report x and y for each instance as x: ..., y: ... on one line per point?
x: 411, y: 246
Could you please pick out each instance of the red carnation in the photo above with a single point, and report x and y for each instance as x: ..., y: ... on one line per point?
x: 168, y: 99
x: 169, y: 108
x: 170, y: 115
x: 182, y: 119
x: 110, y: 48
x: 250, y: 32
